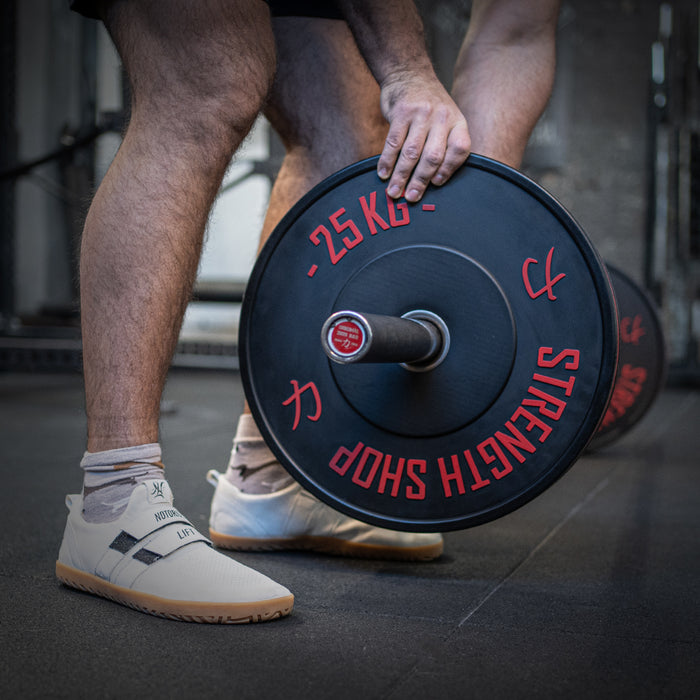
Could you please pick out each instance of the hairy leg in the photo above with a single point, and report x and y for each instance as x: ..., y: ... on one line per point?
x: 199, y: 73
x: 324, y: 105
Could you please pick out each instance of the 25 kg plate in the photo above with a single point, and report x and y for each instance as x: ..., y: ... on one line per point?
x: 531, y: 362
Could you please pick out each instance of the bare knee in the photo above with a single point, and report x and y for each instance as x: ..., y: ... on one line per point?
x: 324, y: 102
x: 199, y: 72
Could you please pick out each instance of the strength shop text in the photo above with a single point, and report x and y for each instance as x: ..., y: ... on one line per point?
x: 478, y: 467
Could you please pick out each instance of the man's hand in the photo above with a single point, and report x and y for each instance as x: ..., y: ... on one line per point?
x: 428, y: 137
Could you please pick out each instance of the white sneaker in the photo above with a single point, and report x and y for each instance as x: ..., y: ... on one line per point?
x: 154, y: 560
x: 294, y: 519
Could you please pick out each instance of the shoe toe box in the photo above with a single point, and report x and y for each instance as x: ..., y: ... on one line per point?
x: 197, y: 572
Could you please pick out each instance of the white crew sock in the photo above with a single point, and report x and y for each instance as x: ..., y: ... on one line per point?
x: 111, y: 476
x: 252, y: 467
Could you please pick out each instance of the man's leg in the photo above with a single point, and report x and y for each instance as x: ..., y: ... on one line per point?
x: 325, y: 106
x: 198, y: 73
x: 197, y: 81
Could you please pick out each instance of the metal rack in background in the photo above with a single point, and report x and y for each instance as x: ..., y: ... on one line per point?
x: 673, y: 232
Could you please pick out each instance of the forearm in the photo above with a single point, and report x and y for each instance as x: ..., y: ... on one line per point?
x: 505, y: 72
x: 389, y: 35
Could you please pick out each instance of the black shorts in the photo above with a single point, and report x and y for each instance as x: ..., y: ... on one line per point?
x: 326, y: 9
x: 87, y: 8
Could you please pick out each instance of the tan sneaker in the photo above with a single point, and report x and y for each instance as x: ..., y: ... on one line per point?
x: 153, y: 559
x: 294, y: 519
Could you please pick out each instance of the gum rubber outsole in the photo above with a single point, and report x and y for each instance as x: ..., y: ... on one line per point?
x: 184, y: 610
x: 326, y: 545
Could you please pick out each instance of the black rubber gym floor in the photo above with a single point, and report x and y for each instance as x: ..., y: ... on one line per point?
x: 591, y: 590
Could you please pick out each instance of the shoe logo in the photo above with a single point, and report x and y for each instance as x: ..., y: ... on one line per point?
x: 157, y: 491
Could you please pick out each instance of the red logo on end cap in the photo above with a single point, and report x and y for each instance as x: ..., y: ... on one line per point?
x: 347, y: 337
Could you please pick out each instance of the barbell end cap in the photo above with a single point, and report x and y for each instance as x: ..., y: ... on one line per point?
x: 346, y: 337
